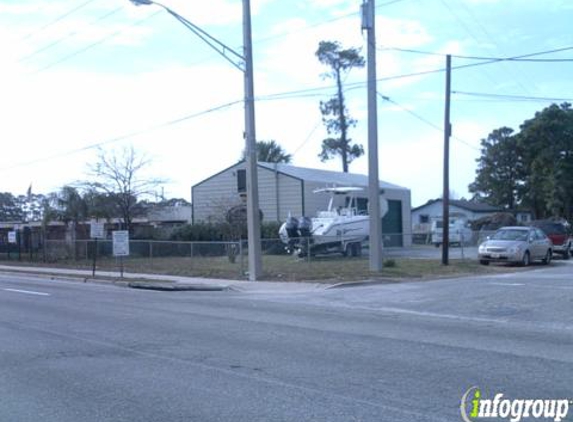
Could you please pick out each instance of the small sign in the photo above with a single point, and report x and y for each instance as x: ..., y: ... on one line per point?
x: 12, y: 237
x: 97, y: 230
x: 120, y: 243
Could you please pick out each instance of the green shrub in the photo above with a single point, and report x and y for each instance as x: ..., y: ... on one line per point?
x: 390, y: 263
x: 210, y: 232
x: 270, y: 230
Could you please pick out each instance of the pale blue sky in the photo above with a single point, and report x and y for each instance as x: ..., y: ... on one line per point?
x: 77, y: 73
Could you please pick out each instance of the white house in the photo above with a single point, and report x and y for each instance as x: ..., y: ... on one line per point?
x: 285, y: 189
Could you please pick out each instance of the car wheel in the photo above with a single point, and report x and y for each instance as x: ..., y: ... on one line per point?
x: 526, y: 260
x: 547, y: 258
x: 567, y: 253
x: 484, y: 262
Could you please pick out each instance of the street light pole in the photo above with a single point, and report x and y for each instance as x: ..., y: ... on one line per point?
x: 244, y: 62
x: 376, y: 246
x: 253, y: 223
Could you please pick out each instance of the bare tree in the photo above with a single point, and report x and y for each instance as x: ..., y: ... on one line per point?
x: 119, y: 177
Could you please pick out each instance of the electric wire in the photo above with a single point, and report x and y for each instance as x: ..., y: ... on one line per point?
x: 279, y: 96
x: 523, y: 58
x: 424, y: 120
x: 66, y: 37
x: 476, y: 39
x: 92, y: 45
x: 512, y: 97
x: 122, y: 137
x: 58, y: 19
x: 494, y: 41
x: 321, y: 23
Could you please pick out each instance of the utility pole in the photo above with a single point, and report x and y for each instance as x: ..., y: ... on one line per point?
x: 369, y: 24
x: 446, y: 193
x: 243, y: 62
x: 253, y: 223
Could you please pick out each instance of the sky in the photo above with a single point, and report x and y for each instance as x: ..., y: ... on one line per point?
x: 78, y: 75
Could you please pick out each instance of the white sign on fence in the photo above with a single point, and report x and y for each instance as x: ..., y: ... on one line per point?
x: 97, y: 229
x: 12, y: 237
x: 120, y: 243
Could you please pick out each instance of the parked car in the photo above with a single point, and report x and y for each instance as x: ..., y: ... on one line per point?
x: 559, y: 234
x: 459, y: 232
x: 519, y: 245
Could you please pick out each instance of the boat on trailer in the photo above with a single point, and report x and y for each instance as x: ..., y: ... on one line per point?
x: 339, y: 229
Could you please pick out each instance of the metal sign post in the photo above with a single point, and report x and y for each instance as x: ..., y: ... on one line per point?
x: 19, y: 240
x: 97, y: 231
x: 12, y: 239
x: 120, y: 246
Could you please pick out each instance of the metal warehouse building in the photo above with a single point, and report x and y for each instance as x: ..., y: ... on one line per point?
x: 285, y: 189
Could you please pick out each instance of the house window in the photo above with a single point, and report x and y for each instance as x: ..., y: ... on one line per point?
x: 424, y: 219
x: 241, y: 181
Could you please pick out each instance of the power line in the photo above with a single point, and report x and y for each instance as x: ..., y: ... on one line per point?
x: 494, y: 41
x: 58, y: 19
x: 69, y: 35
x: 278, y: 96
x: 424, y: 120
x: 511, y: 72
x: 122, y: 137
x: 512, y: 97
x: 464, y: 66
x: 303, y: 143
x: 94, y: 44
x: 314, y: 25
x: 523, y: 58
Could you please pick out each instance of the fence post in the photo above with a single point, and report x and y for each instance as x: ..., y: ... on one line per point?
x: 241, y: 266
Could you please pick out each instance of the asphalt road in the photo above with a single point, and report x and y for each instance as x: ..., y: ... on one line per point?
x: 75, y: 352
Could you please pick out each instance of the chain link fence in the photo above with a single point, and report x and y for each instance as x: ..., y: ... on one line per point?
x: 230, y: 258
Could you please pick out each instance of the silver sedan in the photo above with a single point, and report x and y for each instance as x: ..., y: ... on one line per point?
x: 520, y: 245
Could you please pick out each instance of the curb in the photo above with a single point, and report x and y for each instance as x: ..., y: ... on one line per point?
x: 343, y: 285
x: 177, y: 287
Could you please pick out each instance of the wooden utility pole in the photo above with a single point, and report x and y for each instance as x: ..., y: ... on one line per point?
x: 446, y: 193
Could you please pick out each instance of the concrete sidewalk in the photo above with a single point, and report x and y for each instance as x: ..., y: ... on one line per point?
x: 169, y: 282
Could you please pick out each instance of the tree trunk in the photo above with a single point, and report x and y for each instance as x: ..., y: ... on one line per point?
x: 343, y: 128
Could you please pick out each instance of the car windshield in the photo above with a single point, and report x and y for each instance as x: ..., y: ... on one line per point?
x: 510, y: 234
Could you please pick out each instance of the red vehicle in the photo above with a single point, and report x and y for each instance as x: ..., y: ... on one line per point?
x: 559, y: 234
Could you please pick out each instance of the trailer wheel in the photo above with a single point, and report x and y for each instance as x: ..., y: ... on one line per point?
x: 357, y: 251
x: 352, y: 249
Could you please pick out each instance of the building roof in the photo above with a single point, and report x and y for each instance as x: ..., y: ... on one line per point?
x: 328, y: 177
x: 472, y: 206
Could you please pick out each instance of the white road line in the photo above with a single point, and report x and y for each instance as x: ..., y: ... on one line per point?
x: 27, y: 292
x: 507, y: 284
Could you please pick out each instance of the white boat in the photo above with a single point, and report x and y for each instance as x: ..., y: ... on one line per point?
x: 338, y: 229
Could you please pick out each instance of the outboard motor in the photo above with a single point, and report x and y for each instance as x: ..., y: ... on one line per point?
x: 304, y: 226
x: 292, y: 231
x: 289, y: 234
x: 291, y: 227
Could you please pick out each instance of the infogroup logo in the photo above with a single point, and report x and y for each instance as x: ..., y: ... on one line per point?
x: 474, y: 407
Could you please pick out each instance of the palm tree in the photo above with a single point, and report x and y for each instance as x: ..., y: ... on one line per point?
x: 270, y: 152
